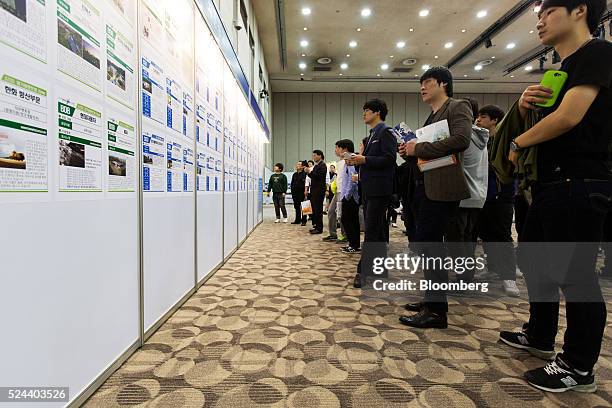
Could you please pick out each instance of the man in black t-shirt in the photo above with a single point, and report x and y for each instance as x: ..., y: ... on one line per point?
x: 571, y: 197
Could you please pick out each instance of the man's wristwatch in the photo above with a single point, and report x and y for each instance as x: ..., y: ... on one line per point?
x: 514, y: 146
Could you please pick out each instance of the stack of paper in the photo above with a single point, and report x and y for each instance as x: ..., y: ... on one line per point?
x: 430, y: 134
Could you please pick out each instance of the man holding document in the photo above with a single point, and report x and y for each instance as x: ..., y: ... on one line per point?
x: 437, y: 184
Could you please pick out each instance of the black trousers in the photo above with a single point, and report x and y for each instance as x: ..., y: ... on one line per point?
x: 460, y: 231
x: 279, y: 205
x: 495, y: 229
x: 297, y: 206
x: 567, y: 211
x: 376, y: 236
x: 316, y: 201
x: 350, y: 222
x: 431, y: 219
x: 521, y: 206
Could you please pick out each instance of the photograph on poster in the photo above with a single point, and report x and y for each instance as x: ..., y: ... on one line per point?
x: 69, y: 38
x: 12, y: 152
x: 151, y: 27
x: 148, y: 159
x: 116, y: 166
x: 90, y: 54
x: 71, y: 154
x: 16, y: 8
x: 147, y: 85
x: 115, y: 74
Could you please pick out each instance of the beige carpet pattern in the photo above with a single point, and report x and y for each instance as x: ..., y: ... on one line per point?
x: 280, y: 325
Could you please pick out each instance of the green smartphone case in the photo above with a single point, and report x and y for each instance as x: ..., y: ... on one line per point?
x: 553, y: 80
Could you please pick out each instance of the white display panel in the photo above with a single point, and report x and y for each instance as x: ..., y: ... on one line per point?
x: 168, y: 132
x: 68, y: 194
x: 230, y: 180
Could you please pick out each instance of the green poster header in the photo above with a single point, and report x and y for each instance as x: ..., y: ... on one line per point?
x: 92, y: 112
x: 24, y: 85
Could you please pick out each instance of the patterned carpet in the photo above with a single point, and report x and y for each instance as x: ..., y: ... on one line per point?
x: 280, y: 325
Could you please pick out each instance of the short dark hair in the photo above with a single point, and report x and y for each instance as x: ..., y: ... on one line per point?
x: 441, y: 75
x: 310, y: 161
x: 492, y: 111
x: 346, y: 144
x: 474, y: 103
x: 595, y: 9
x: 377, y: 105
x: 280, y: 166
x: 304, y: 163
x: 320, y: 153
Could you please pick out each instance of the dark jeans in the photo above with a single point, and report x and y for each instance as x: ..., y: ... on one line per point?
x: 279, y: 204
x: 431, y: 219
x: 521, y: 206
x: 460, y: 230
x: 567, y: 211
x: 495, y: 229
x: 376, y: 232
x: 316, y: 201
x: 350, y: 221
x: 297, y: 206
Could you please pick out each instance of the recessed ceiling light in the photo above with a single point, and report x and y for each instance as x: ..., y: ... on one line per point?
x: 366, y: 12
x: 463, y: 30
x: 416, y: 75
x: 359, y: 29
x: 537, y: 9
x: 304, y: 43
x: 423, y: 13
x: 377, y: 75
x: 478, y: 67
x: 353, y: 44
x: 531, y: 32
x: 305, y: 28
x: 306, y: 11
x: 448, y: 45
x: 411, y: 30
x: 510, y: 46
x: 302, y: 65
x: 384, y: 67
x: 344, y: 65
x: 348, y: 55
x: 481, y: 14
x: 528, y: 68
x: 425, y: 67
x: 511, y: 76
x: 435, y: 57
x: 391, y: 56
x: 302, y: 74
x: 465, y: 75
x: 340, y: 74
x: 493, y: 57
x: 400, y: 44
x: 303, y: 55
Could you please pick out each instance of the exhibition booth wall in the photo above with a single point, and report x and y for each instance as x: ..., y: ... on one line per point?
x: 131, y: 165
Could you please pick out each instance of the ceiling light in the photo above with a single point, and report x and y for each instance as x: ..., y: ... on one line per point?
x: 305, y: 28
x: 537, y: 9
x: 493, y: 57
x: 411, y: 30
x: 416, y: 75
x: 531, y: 31
x: 511, y: 76
x: 435, y: 57
x: 528, y: 68
x: 344, y: 65
x: 384, y: 67
x: 303, y: 55
x: 348, y: 55
x: 391, y: 56
x: 510, y: 46
x: 353, y: 44
x: 463, y: 30
x: 423, y: 13
x: 304, y: 43
x: 478, y: 67
x: 340, y: 74
x: 465, y: 75
x: 359, y: 29
x: 306, y: 11
x: 302, y: 74
x: 481, y: 14
x: 448, y: 45
x: 377, y: 75
x: 400, y: 44
x: 425, y: 67
x: 302, y: 65
x: 366, y: 12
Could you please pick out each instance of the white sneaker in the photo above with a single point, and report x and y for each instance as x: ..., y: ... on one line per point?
x: 285, y: 221
x: 519, y: 274
x: 510, y: 288
x: 394, y: 225
x: 276, y: 221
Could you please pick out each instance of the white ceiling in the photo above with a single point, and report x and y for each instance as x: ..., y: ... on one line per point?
x: 333, y: 23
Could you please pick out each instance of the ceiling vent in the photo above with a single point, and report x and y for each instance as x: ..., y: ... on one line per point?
x: 401, y: 70
x: 324, y: 60
x: 322, y: 69
x: 409, y: 61
x: 485, y: 62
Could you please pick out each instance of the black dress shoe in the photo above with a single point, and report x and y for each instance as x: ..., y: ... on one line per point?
x: 315, y: 231
x: 303, y: 224
x: 357, y: 281
x: 425, y: 320
x: 414, y: 307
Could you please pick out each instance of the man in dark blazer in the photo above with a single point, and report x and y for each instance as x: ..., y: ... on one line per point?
x: 435, y: 194
x: 298, y: 183
x: 376, y: 175
x: 317, y: 190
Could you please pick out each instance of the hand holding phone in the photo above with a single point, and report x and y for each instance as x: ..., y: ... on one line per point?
x: 553, y: 80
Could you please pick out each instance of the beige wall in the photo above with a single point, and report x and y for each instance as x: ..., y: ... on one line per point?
x: 302, y: 122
